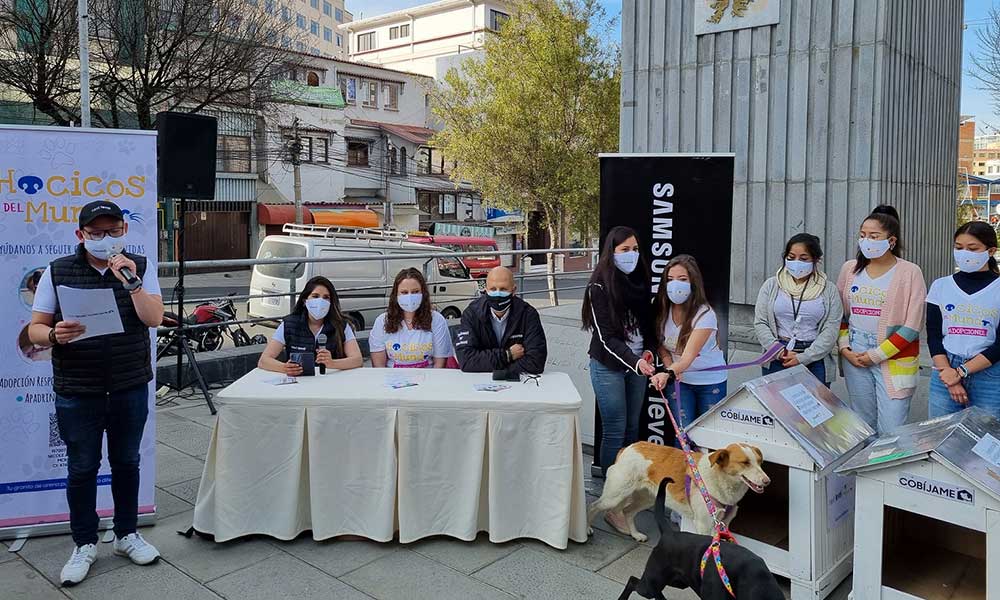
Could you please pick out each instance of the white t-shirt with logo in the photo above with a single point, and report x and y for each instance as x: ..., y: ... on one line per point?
x: 408, y: 348
x: 710, y: 355
x: 867, y: 297
x: 45, y: 294
x: 968, y: 321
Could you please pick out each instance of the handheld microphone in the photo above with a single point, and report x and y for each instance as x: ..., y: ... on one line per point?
x: 320, y: 344
x: 131, y: 281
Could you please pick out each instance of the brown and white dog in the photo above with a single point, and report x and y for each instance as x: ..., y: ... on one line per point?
x: 631, y: 483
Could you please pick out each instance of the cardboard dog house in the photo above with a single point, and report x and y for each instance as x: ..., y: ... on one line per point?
x: 928, y: 511
x: 802, y: 524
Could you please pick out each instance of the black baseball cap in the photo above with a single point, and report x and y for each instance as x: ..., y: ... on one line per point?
x: 100, y: 208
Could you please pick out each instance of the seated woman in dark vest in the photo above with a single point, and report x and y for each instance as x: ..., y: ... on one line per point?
x: 316, y: 313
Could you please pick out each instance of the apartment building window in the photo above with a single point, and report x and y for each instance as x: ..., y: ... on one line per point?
x: 233, y: 154
x: 393, y: 162
x: 286, y: 14
x: 269, y: 6
x: 399, y: 31
x: 300, y: 20
x: 314, y: 4
x: 340, y: 41
x: 286, y: 42
x: 391, y: 91
x: 327, y: 34
x: 312, y: 78
x: 371, y: 94
x: 366, y: 41
x: 338, y: 15
x: 327, y: 9
x: 348, y: 88
x: 300, y: 46
x: 497, y: 19
x: 314, y: 28
x: 357, y: 153
x: 313, y: 148
x: 252, y: 2
x: 402, y: 160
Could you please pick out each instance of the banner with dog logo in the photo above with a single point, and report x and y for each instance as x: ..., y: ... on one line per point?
x: 677, y: 204
x: 46, y: 175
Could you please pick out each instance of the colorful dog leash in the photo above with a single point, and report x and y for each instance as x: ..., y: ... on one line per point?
x: 721, y: 529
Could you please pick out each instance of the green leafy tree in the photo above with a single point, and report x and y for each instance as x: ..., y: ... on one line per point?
x: 524, y: 123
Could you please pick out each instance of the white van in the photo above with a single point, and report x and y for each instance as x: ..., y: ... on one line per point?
x: 448, y: 279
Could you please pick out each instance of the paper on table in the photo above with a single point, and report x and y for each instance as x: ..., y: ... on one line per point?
x: 94, y: 309
x: 807, y: 405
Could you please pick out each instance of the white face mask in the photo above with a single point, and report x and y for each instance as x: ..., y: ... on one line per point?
x: 678, y: 291
x: 410, y: 302
x: 626, y: 261
x: 872, y: 249
x: 799, y: 268
x: 102, y: 249
x: 969, y: 261
x: 318, y: 308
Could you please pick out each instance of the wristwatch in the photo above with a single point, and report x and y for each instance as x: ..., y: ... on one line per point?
x: 52, y: 337
x: 963, y: 372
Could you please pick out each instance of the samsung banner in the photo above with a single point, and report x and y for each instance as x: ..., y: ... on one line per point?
x: 677, y: 204
x: 46, y: 175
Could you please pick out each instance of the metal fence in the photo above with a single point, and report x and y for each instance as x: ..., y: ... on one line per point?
x: 553, y: 271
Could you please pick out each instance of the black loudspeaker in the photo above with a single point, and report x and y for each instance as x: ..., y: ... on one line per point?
x: 185, y: 155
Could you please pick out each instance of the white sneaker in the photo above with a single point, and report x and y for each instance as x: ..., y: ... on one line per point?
x: 78, y: 566
x: 136, y: 549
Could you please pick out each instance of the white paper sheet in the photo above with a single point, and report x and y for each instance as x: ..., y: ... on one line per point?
x: 94, y: 309
x: 988, y: 448
x: 807, y: 405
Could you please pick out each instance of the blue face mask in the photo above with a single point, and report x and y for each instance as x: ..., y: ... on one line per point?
x: 498, y: 300
x: 626, y: 261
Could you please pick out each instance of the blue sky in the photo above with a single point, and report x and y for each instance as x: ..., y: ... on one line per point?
x: 974, y: 101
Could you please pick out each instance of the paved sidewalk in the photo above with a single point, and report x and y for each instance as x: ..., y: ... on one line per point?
x: 265, y: 569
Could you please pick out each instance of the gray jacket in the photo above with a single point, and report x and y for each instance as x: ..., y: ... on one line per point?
x: 822, y: 348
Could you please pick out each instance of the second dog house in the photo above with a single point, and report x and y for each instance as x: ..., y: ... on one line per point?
x: 802, y: 524
x: 928, y: 511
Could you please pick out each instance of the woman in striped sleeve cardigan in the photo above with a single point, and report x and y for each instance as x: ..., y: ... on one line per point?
x: 884, y: 300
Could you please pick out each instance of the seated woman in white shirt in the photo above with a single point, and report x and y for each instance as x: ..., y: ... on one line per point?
x: 410, y: 334
x: 316, y: 313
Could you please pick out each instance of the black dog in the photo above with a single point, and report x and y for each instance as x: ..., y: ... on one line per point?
x: 676, y: 561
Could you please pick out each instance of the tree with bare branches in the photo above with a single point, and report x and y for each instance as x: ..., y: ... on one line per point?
x: 38, y: 50
x: 147, y: 56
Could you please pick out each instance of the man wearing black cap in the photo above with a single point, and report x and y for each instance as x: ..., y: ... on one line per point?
x: 101, y: 383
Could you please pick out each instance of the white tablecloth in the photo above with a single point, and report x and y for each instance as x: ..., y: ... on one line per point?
x: 346, y: 454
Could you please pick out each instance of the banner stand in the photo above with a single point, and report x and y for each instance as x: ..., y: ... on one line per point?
x: 47, y: 174
x: 677, y: 204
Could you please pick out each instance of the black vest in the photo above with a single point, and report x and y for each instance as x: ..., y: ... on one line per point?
x: 299, y: 338
x: 108, y: 363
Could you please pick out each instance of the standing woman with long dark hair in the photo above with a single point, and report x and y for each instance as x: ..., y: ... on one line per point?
x: 963, y: 311
x: 883, y: 297
x: 801, y: 308
x: 688, y: 339
x: 618, y: 312
x: 316, y: 312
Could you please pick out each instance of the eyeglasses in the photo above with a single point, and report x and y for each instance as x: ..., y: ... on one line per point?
x: 97, y: 236
x: 533, y: 378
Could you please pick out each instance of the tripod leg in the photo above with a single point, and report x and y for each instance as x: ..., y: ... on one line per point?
x: 199, y: 378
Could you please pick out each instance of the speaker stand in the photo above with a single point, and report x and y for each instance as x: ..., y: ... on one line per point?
x: 182, y: 325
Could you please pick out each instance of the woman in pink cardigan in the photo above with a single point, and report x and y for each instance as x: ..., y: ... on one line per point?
x: 879, y: 342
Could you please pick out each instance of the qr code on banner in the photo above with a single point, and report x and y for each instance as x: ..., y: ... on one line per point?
x: 55, y: 440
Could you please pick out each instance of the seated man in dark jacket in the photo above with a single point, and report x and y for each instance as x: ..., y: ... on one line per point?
x: 501, y: 333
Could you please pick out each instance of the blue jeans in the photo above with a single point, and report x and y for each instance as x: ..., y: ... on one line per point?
x: 620, y: 396
x: 983, y: 389
x: 83, y: 420
x: 868, y: 391
x: 818, y: 369
x: 695, y: 400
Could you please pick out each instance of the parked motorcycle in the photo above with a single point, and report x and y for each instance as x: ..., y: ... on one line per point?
x: 220, y: 314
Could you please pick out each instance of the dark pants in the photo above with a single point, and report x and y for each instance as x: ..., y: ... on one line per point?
x: 818, y: 369
x: 82, y: 423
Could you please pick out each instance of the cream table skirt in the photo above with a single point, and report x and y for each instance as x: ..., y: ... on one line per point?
x: 348, y: 454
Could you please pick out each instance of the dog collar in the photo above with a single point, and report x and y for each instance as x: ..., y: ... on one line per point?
x: 726, y: 508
